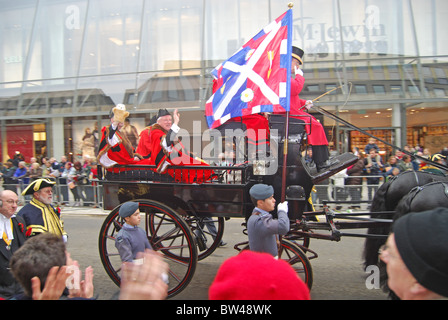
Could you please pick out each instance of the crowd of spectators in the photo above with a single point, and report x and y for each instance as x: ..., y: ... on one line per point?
x: 16, y: 174
x: 374, y: 167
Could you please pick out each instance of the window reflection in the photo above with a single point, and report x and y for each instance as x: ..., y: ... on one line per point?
x: 85, y: 56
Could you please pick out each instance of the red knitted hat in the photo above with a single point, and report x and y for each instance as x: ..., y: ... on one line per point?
x: 257, y: 276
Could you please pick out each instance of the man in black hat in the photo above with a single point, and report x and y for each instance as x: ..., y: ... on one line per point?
x: 416, y: 255
x: 298, y: 109
x: 40, y: 216
x: 156, y: 141
x: 163, y: 148
x: 163, y: 118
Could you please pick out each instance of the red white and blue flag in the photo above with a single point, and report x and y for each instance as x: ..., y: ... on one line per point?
x: 256, y: 78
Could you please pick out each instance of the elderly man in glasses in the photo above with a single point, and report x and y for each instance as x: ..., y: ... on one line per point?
x: 416, y: 255
x: 12, y: 229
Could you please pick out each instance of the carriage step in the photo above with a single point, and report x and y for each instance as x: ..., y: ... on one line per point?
x: 339, y: 163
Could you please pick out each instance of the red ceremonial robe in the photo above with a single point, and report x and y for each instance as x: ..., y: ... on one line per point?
x: 173, y: 153
x: 115, y: 148
x: 316, y: 134
x: 143, y: 147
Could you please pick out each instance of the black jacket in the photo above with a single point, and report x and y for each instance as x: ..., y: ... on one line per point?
x: 8, y: 285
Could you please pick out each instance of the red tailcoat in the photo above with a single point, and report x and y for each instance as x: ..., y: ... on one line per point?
x: 317, y: 135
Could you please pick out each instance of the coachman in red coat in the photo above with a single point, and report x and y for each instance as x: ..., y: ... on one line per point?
x: 299, y: 107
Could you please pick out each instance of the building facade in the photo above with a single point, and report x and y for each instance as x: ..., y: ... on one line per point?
x: 65, y: 64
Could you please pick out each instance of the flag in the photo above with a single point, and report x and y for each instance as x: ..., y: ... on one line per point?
x: 256, y: 78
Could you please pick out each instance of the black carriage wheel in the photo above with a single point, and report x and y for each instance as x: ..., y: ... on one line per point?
x: 170, y: 235
x: 292, y: 254
x: 301, y: 240
x: 208, y: 233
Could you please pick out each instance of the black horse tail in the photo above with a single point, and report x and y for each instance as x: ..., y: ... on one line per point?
x: 372, y: 245
x: 379, y: 202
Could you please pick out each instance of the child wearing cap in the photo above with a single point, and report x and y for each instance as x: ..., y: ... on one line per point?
x: 262, y: 228
x: 131, y: 239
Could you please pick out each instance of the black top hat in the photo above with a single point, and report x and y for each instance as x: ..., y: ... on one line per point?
x: 37, y: 185
x: 297, y: 53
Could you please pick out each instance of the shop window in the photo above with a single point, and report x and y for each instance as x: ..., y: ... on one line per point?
x: 439, y: 92
x: 379, y: 89
x: 396, y: 90
x: 413, y: 91
x: 361, y: 89
x: 312, y: 88
x: 329, y: 87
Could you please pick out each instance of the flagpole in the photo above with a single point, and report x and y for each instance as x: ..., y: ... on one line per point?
x: 285, y: 156
x: 285, y: 150
x: 285, y: 144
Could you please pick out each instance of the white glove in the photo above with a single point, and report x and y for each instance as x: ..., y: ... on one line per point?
x: 309, y: 104
x: 298, y: 71
x: 283, y: 207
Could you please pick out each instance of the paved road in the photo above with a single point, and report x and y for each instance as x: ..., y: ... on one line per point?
x: 338, y: 271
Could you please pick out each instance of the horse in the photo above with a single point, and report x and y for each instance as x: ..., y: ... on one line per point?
x: 386, y: 199
x: 420, y: 198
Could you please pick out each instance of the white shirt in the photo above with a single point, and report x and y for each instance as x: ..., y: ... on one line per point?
x: 5, y: 226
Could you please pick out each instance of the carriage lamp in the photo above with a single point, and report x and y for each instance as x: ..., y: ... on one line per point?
x: 265, y: 167
x: 260, y: 168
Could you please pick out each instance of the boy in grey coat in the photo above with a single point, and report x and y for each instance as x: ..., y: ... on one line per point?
x: 131, y: 239
x: 262, y: 228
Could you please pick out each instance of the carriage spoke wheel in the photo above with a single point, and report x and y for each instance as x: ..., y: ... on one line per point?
x: 294, y: 256
x: 208, y: 233
x: 167, y: 232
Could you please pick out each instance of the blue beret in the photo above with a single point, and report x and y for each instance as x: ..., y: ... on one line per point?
x: 128, y: 208
x: 261, y: 191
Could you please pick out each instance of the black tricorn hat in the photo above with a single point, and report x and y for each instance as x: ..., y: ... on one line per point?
x: 162, y: 113
x: 37, y: 185
x: 297, y: 53
x: 152, y: 120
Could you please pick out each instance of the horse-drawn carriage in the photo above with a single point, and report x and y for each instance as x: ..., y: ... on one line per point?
x: 185, y: 220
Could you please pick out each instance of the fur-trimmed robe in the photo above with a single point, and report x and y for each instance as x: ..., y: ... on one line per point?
x: 165, y: 151
x: 115, y: 148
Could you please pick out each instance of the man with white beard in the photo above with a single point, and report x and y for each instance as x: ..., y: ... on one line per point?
x: 39, y: 215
